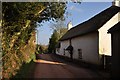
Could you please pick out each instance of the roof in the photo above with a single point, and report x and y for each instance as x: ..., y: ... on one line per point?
x: 92, y: 24
x: 114, y: 28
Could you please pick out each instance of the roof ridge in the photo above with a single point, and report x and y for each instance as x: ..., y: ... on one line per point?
x: 92, y: 24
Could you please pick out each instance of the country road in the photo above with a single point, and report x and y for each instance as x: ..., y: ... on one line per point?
x: 48, y: 66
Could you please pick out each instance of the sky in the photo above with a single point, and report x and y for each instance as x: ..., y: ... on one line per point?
x: 79, y: 13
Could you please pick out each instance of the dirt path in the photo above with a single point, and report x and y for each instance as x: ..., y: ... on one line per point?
x: 49, y: 67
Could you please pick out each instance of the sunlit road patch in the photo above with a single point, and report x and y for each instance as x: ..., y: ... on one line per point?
x: 49, y: 62
x: 50, y: 66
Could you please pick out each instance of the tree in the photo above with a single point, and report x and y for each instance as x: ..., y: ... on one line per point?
x: 41, y: 49
x: 57, y: 34
x: 18, y: 23
x: 52, y: 42
x: 60, y: 27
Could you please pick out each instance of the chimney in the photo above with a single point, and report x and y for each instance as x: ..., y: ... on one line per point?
x: 69, y: 25
x: 116, y: 3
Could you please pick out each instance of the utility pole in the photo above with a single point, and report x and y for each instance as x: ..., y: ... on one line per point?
x: 36, y: 39
x: 36, y: 36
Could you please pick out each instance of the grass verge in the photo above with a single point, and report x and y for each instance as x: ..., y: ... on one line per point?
x: 26, y: 71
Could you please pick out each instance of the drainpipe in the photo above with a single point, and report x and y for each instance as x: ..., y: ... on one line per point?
x: 104, y: 61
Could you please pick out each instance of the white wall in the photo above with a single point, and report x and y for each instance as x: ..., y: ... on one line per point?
x: 64, y: 45
x: 104, y: 38
x: 89, y: 45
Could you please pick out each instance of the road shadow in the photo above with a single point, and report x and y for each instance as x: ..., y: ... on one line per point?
x: 25, y: 71
x: 53, y: 60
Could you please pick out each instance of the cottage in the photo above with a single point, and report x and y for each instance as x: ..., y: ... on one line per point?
x: 115, y: 35
x: 90, y: 39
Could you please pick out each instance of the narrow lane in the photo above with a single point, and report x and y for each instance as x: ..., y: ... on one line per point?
x: 50, y: 67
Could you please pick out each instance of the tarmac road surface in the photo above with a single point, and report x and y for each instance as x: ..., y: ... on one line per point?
x: 48, y: 66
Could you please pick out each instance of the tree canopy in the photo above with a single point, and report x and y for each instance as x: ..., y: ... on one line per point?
x: 18, y: 25
x: 53, y: 41
x: 59, y: 29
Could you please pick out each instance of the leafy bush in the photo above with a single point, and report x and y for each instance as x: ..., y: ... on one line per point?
x: 18, y: 31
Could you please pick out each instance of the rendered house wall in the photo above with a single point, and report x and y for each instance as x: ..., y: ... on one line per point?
x: 104, y: 38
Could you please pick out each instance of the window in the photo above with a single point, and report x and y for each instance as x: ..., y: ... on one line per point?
x: 80, y: 53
